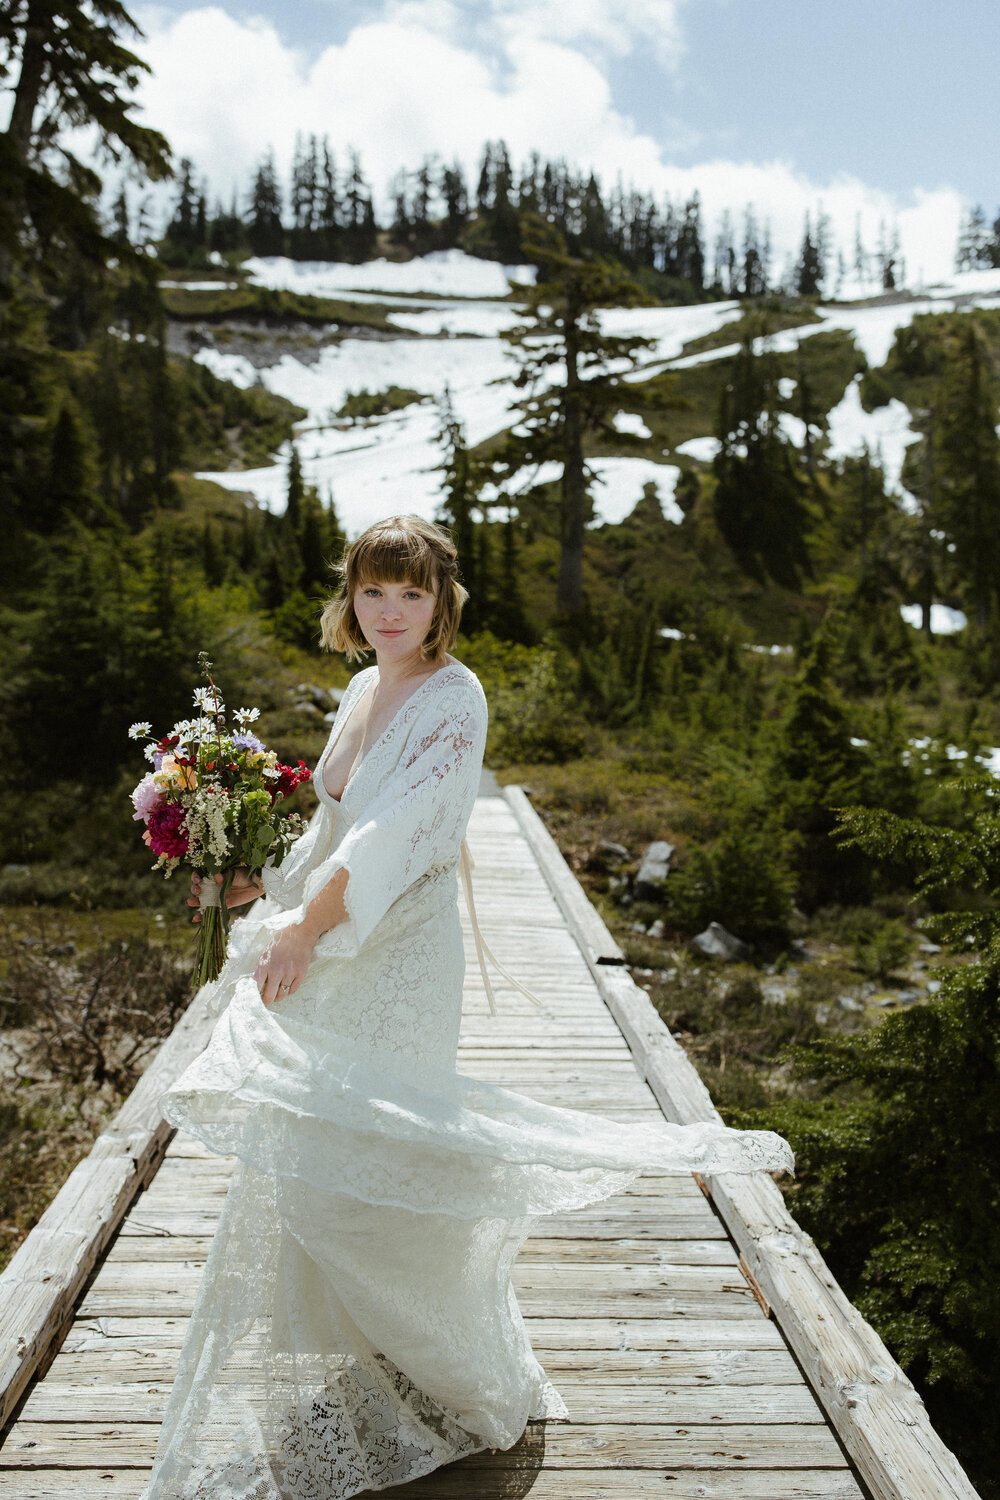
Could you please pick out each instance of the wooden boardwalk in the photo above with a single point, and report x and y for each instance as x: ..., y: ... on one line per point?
x: 678, y: 1382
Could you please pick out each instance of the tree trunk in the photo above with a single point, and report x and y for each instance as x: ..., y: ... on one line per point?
x: 27, y: 93
x: 573, y: 508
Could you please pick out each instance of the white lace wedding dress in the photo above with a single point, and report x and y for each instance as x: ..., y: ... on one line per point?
x: 355, y: 1325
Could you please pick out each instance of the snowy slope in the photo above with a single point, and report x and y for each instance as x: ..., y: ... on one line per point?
x: 450, y: 311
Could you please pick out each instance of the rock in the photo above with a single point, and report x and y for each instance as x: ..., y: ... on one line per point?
x: 848, y: 1002
x: 716, y: 942
x: 656, y: 930
x: 933, y: 985
x: 654, y: 870
x: 930, y: 947
x: 61, y: 950
x: 638, y: 927
x: 606, y: 854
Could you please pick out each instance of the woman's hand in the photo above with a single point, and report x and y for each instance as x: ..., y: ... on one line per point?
x: 244, y: 888
x: 284, y: 962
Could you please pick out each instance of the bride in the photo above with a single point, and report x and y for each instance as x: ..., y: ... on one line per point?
x: 355, y: 1325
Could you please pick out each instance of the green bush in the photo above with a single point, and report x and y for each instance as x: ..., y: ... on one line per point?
x: 532, y: 715
x: 744, y: 880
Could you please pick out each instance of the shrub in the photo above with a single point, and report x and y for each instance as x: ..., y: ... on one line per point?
x: 94, y: 1019
x: 532, y: 714
x: 744, y: 880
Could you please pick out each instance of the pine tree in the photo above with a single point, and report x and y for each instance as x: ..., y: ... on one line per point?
x: 464, y: 476
x: 809, y: 271
x: 68, y: 67
x: 183, y: 228
x: 305, y: 197
x: 295, y: 488
x: 561, y: 332
x: 690, y: 246
x: 359, y: 228
x: 264, y: 229
x: 968, y: 469
x: 456, y: 203
x: 759, y: 504
x: 327, y: 205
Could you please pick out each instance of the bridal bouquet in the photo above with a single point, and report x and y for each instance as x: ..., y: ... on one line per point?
x: 211, y: 802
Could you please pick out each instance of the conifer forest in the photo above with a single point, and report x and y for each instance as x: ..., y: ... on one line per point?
x: 781, y: 656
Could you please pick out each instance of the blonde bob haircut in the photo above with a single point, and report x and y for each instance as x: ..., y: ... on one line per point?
x: 402, y: 549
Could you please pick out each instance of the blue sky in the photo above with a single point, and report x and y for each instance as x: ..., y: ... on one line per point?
x: 884, y: 109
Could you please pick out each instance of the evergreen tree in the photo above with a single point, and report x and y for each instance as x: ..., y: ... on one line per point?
x: 328, y: 206
x: 359, y: 228
x: 295, y: 488
x: 690, y: 246
x: 561, y: 333
x: 305, y: 197
x: 67, y: 66
x: 264, y: 229
x: 814, y: 769
x: 456, y: 203
x: 810, y: 271
x: 71, y: 488
x: 759, y: 503
x: 226, y: 231
x: 464, y: 476
x: 186, y: 228
x: 968, y: 469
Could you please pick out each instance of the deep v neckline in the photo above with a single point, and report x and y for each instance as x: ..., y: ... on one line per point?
x: 359, y: 762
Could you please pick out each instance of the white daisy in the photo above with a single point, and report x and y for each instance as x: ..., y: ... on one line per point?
x: 247, y: 715
x: 136, y: 731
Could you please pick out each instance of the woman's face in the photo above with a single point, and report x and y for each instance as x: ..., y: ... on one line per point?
x: 394, y: 617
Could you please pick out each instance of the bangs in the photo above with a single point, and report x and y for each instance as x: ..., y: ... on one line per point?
x: 402, y: 549
x: 396, y: 556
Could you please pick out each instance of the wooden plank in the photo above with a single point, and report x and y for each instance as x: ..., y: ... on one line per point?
x: 161, y: 1249
x: 119, y: 1362
x: 625, y: 1333
x: 873, y: 1406
x: 590, y: 1402
x: 462, y: 1481
x: 568, y: 1445
x: 585, y: 923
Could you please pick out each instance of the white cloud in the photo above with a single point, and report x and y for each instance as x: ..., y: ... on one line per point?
x: 440, y: 77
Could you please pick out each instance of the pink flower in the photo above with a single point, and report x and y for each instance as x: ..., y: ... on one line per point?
x: 146, y: 797
x: 167, y: 830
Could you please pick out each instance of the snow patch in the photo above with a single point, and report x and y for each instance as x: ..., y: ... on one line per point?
x: 944, y: 621
x: 449, y: 273
x: 702, y: 449
x: 630, y: 422
x: 886, y: 432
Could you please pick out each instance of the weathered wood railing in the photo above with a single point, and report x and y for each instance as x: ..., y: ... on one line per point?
x: 872, y: 1406
x: 49, y: 1272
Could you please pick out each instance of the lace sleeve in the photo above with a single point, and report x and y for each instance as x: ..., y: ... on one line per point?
x: 415, y: 821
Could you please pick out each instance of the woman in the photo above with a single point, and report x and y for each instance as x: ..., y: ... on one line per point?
x: 355, y: 1325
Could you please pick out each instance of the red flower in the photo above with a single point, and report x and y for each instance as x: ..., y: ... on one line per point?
x: 168, y: 742
x: 289, y: 777
x: 167, y: 830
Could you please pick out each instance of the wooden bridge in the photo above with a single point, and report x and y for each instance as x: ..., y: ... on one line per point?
x: 700, y: 1342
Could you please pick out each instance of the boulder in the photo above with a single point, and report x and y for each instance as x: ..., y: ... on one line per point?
x: 606, y: 854
x: 653, y: 871
x: 657, y: 929
x: 716, y: 942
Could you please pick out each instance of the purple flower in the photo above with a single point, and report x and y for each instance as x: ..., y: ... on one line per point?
x: 248, y: 742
